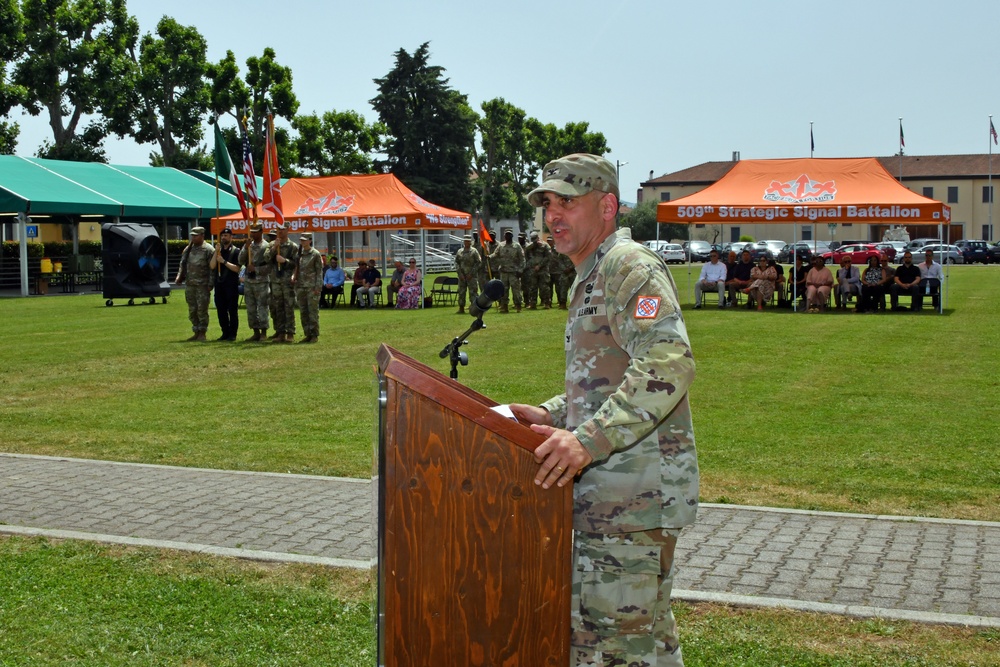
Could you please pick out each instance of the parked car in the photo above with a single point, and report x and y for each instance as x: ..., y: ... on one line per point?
x: 995, y: 253
x: 952, y: 254
x: 914, y: 247
x: 974, y: 251
x: 698, y: 250
x: 896, y: 254
x: 770, y: 249
x: 805, y: 249
x: 735, y: 246
x: 671, y: 253
x: 859, y: 254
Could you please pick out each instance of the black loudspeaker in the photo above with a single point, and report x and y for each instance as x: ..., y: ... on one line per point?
x: 134, y: 260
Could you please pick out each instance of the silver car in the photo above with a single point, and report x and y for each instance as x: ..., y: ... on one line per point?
x: 952, y: 254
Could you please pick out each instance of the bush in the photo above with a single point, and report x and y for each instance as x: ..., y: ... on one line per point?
x: 12, y: 249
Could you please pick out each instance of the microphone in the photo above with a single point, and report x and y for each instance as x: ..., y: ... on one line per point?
x: 492, y: 291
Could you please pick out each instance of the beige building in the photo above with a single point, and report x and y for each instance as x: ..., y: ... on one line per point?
x: 961, y: 181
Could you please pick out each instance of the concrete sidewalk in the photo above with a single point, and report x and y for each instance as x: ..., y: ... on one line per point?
x: 925, y: 570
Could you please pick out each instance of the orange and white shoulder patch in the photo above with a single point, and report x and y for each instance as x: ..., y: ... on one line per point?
x: 647, y: 307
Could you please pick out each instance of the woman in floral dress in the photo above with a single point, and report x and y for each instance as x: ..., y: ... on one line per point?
x: 412, y: 291
x: 763, y: 278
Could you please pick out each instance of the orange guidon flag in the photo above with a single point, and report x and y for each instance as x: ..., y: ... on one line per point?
x: 272, y: 178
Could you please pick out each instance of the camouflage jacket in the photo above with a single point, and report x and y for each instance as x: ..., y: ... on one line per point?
x: 560, y: 264
x: 628, y: 370
x: 310, y: 274
x: 468, y: 262
x: 536, y: 257
x: 289, y: 251
x: 261, y: 269
x: 195, y: 261
x: 508, y: 258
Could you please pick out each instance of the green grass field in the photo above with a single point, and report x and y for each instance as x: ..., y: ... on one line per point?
x: 886, y: 413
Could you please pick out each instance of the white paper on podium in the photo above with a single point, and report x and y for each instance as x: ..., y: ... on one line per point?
x: 504, y: 410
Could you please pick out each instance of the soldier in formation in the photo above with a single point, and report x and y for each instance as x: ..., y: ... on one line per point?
x: 308, y: 281
x: 467, y: 264
x: 225, y: 267
x: 283, y: 257
x: 561, y: 274
x: 509, y: 260
x: 195, y: 270
x: 488, y: 269
x: 536, y: 272
x: 256, y: 287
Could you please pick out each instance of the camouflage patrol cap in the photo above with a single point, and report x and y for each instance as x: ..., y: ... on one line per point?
x: 281, y: 225
x: 533, y: 236
x: 574, y: 176
x: 196, y: 231
x: 306, y: 236
x: 272, y: 234
x: 256, y: 226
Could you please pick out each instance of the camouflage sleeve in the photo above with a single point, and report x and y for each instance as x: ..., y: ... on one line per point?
x: 646, y: 323
x: 557, y: 408
x: 269, y: 252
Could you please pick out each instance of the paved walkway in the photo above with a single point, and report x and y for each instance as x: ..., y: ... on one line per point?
x: 920, y: 569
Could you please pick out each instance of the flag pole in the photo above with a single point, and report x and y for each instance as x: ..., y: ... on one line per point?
x: 812, y: 141
x: 989, y: 141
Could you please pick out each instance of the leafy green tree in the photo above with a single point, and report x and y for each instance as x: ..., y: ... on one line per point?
x: 431, y: 130
x: 77, y: 63
x: 339, y: 142
x: 12, y: 47
x: 168, y: 100
x: 642, y: 221
x: 499, y: 161
x: 548, y: 142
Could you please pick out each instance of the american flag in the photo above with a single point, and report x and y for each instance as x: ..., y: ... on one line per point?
x: 249, y: 178
x: 993, y: 131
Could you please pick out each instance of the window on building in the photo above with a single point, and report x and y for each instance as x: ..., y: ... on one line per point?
x: 987, y: 194
x: 952, y: 194
x: 696, y: 227
x: 929, y: 191
x: 664, y: 196
x: 987, y: 233
x: 807, y: 232
x: 734, y: 234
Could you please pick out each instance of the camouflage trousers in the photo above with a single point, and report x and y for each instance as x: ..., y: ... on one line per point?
x: 283, y: 302
x: 538, y: 285
x: 511, y: 284
x: 198, y: 297
x: 257, y: 295
x: 308, y: 311
x: 469, y: 286
x: 560, y: 282
x: 485, y: 277
x: 621, y: 600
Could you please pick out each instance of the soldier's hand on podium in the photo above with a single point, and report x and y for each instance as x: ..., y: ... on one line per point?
x: 531, y: 414
x: 561, y: 456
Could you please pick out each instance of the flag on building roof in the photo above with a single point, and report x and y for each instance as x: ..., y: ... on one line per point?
x: 224, y: 168
x: 272, y: 177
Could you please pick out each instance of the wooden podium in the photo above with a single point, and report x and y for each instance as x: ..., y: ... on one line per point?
x: 474, y: 559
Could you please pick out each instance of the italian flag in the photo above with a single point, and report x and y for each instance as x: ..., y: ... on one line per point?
x: 224, y: 169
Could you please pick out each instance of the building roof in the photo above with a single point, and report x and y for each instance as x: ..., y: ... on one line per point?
x: 914, y: 167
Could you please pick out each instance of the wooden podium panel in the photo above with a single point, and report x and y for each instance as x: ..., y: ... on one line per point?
x: 474, y: 559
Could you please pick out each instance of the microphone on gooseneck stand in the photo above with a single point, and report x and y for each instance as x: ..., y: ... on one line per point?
x: 492, y: 291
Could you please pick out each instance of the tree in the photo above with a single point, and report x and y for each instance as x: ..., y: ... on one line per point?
x: 642, y: 221
x: 499, y: 160
x: 12, y: 47
x: 431, y: 130
x: 170, y: 95
x: 76, y: 63
x: 339, y: 142
x: 547, y: 142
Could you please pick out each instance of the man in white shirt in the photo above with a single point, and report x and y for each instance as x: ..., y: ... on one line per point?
x: 848, y: 282
x: 713, y: 277
x: 930, y: 281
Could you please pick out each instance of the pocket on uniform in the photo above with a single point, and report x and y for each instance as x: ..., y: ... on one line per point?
x: 618, y: 589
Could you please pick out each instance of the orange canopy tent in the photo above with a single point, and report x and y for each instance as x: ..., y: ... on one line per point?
x: 805, y: 191
x: 351, y: 203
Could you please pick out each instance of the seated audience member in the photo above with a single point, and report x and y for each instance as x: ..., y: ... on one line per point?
x: 412, y: 290
x: 712, y: 277
x: 848, y: 283
x: 779, y: 283
x: 333, y: 283
x: 797, y: 279
x: 763, y: 279
x: 819, y: 282
x: 395, y: 282
x: 872, y: 287
x: 741, y: 277
x: 372, y: 286
x: 906, y: 281
x: 930, y: 281
x: 359, y: 280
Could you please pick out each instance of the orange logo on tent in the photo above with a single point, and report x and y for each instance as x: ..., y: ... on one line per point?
x: 332, y: 204
x: 802, y: 189
x: 419, y: 201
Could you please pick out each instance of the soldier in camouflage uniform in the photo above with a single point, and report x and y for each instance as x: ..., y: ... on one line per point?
x: 536, y: 272
x: 467, y: 265
x: 256, y: 291
x: 487, y: 270
x: 308, y: 281
x: 196, y: 272
x: 561, y: 274
x: 509, y: 260
x: 283, y: 255
x: 623, y: 425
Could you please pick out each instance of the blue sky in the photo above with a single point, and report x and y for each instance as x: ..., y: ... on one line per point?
x: 670, y: 84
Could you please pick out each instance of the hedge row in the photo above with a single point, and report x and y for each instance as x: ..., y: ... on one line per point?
x: 65, y: 248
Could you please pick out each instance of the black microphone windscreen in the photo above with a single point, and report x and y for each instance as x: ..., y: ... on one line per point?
x: 494, y: 289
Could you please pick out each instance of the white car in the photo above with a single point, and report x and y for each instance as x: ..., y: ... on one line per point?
x: 672, y: 252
